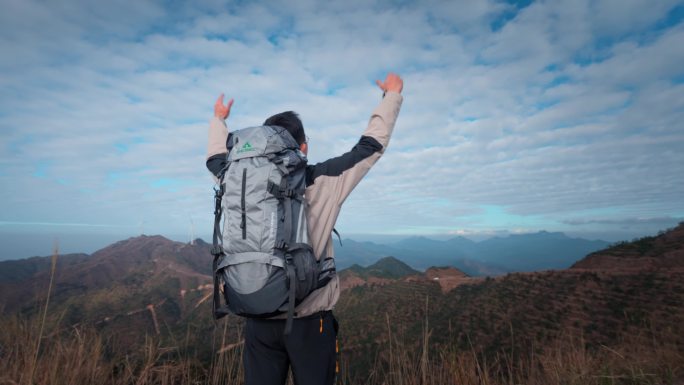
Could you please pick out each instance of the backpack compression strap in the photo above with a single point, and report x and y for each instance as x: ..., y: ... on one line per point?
x: 289, y: 263
x: 292, y: 280
x: 217, y: 251
x: 286, y: 195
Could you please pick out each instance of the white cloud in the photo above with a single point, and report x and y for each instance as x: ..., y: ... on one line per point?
x: 535, y: 118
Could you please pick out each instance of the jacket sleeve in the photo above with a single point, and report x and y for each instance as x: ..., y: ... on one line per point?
x: 338, y: 176
x: 216, y: 149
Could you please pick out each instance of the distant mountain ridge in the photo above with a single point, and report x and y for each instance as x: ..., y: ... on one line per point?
x: 491, y: 257
x: 21, y: 269
x: 494, y: 256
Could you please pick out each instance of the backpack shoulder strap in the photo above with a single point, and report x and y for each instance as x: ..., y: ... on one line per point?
x: 217, y: 251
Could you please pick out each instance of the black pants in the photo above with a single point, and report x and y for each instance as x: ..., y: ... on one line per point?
x: 310, y: 350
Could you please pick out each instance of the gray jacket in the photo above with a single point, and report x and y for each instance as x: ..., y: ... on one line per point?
x: 329, y: 183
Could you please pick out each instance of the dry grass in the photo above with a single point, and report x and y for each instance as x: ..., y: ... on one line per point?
x: 30, y: 354
x: 650, y: 358
x: 80, y: 356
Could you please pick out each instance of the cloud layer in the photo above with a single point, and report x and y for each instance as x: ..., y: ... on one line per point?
x: 563, y: 115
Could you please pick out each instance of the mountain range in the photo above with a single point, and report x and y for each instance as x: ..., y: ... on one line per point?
x: 494, y: 256
x: 629, y: 293
x: 150, y: 285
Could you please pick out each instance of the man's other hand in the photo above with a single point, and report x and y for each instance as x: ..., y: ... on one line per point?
x: 392, y: 83
x: 221, y: 111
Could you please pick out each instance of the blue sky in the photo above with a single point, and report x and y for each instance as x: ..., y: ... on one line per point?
x: 518, y: 116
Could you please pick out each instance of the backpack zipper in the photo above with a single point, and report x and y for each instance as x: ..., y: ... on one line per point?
x: 243, y: 223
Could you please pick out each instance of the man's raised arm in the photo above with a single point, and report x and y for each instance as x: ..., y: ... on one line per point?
x: 340, y: 175
x: 385, y: 115
x: 218, y: 133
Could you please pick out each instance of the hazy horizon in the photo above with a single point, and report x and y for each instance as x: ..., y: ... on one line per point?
x: 22, y: 245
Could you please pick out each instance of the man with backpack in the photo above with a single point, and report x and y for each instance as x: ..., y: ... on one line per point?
x: 274, y: 254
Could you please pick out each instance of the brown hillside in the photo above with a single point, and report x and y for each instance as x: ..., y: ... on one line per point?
x: 664, y: 251
x: 146, y: 285
x: 633, y: 290
x: 449, y: 278
x: 123, y: 268
x: 520, y: 312
x: 350, y: 279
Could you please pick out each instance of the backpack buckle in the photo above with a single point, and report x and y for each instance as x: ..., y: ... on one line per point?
x: 276, y: 190
x: 218, y: 196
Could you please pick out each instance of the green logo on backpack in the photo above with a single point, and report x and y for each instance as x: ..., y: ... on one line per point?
x: 245, y: 148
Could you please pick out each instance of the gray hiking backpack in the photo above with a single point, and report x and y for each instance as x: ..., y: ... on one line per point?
x: 262, y: 256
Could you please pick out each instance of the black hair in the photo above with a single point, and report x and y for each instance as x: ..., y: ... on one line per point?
x: 290, y: 121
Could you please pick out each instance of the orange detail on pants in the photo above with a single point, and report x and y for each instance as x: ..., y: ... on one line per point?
x: 337, y: 360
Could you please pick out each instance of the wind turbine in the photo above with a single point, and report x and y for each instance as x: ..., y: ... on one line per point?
x: 192, y: 231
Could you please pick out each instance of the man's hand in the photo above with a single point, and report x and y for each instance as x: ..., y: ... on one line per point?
x: 392, y: 83
x: 221, y: 111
